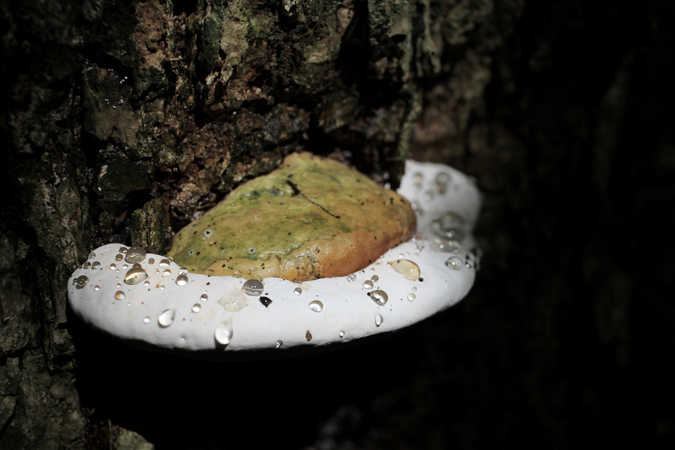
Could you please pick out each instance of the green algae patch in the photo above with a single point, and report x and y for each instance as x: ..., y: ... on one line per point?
x: 311, y: 218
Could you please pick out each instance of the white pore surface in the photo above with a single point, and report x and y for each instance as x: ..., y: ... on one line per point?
x: 347, y: 313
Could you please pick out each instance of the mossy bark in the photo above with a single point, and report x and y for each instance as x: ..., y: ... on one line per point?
x: 123, y: 120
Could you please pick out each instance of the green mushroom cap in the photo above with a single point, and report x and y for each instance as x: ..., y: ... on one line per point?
x: 311, y: 218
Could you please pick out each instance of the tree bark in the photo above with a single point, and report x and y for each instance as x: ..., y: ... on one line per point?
x: 123, y: 120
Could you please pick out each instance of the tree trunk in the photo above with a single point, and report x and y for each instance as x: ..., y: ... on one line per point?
x: 123, y: 120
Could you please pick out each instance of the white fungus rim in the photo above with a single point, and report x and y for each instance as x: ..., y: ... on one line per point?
x: 212, y: 312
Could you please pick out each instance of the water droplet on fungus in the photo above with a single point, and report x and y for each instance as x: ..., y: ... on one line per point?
x: 378, y: 319
x: 316, y: 306
x: 224, y: 332
x: 454, y: 262
x: 135, y: 275
x: 166, y: 318
x: 252, y: 287
x: 407, y: 268
x: 379, y: 297
x: 135, y: 255
x: 80, y: 282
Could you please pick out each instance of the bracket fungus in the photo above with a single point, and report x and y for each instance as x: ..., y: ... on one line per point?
x: 151, y: 300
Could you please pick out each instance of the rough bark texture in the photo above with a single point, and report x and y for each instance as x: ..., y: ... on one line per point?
x: 123, y: 120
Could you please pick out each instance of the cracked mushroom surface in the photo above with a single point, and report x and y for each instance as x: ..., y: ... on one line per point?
x: 151, y: 299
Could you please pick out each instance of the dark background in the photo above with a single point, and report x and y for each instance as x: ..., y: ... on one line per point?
x: 566, y: 340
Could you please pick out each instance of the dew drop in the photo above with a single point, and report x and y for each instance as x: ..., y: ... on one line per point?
x: 181, y: 280
x: 119, y: 295
x: 166, y: 273
x: 252, y: 287
x: 278, y: 344
x: 164, y: 263
x: 204, y: 297
x: 113, y: 266
x: 224, y: 332
x: 445, y: 245
x: 95, y: 265
x: 97, y: 287
x: 297, y: 291
x: 442, y: 179
x: 80, y: 282
x: 86, y: 265
x: 182, y: 271
x: 454, y: 262
x: 411, y: 296
x: 92, y: 255
x: 417, y: 178
x: 351, y: 277
x: 146, y: 283
x: 316, y: 306
x: 151, y: 261
x: 196, y: 308
x: 341, y: 333
x: 449, y: 225
x: 146, y: 319
x: 119, y: 257
x: 166, y: 318
x: 122, y: 250
x: 135, y: 275
x: 308, y: 336
x: 135, y: 255
x: 378, y: 319
x: 378, y: 296
x: 407, y: 268
x: 368, y: 284
x: 375, y: 278
x: 233, y: 300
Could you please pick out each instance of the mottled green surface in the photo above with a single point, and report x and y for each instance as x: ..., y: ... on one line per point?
x: 279, y: 224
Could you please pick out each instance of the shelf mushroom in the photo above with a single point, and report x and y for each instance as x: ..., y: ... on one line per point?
x: 151, y: 300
